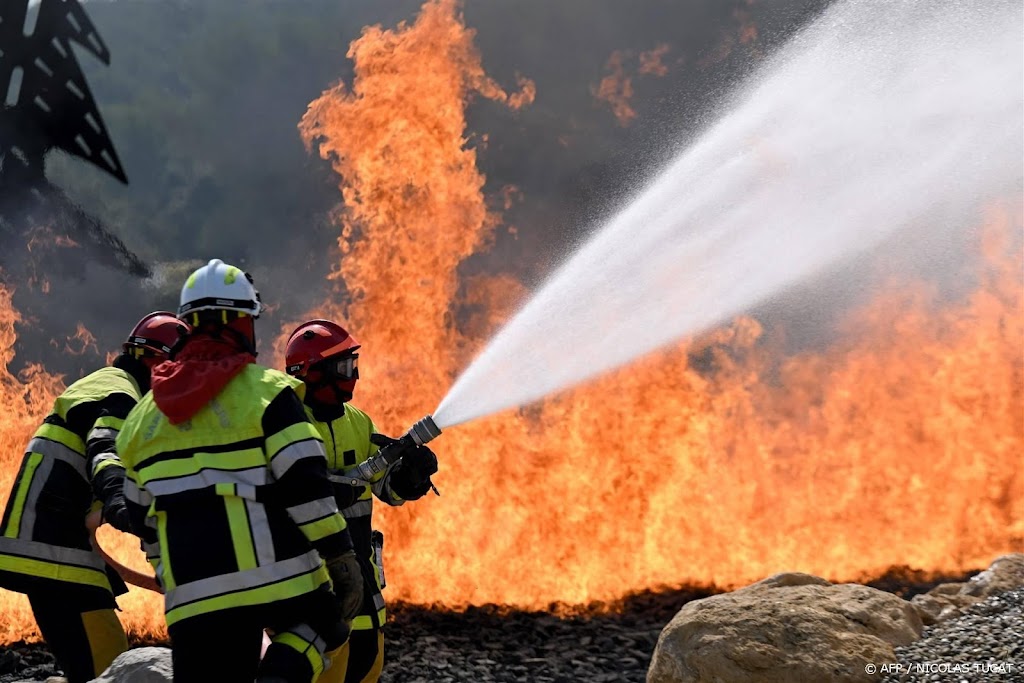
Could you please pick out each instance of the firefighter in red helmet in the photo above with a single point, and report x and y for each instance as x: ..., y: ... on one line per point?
x: 226, y: 483
x: 71, y: 467
x: 324, y: 356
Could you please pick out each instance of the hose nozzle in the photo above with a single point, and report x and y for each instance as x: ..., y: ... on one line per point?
x: 424, y: 430
x: 365, y: 472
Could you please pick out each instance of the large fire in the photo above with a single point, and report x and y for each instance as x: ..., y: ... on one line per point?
x: 899, y: 444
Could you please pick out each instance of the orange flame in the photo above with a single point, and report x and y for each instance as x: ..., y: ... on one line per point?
x: 898, y: 445
x: 43, y: 236
x: 744, y: 33
x: 79, y: 342
x: 617, y: 89
x: 38, y: 239
x: 650, y: 61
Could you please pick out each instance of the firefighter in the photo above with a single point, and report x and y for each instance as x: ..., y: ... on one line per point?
x: 323, y: 355
x: 70, y: 467
x: 227, y: 484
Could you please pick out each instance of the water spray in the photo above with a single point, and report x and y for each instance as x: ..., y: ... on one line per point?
x: 364, y: 473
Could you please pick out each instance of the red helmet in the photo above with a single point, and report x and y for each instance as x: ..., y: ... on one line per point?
x: 314, y: 341
x: 156, y: 334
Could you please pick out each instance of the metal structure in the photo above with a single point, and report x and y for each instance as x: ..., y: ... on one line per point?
x: 46, y: 100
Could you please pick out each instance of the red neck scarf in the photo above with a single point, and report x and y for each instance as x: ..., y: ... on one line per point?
x: 201, y: 369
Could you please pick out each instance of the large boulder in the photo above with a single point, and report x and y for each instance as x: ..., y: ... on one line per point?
x: 949, y: 600
x: 789, y: 628
x: 141, y: 665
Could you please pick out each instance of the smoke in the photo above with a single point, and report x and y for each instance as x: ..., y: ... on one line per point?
x: 203, y: 114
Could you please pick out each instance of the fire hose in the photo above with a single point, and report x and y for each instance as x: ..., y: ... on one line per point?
x: 136, y: 578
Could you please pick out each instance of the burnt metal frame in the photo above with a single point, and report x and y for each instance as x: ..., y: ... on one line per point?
x: 51, y: 106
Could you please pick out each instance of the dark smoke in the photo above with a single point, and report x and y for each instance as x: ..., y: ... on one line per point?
x: 49, y: 246
x: 202, y: 100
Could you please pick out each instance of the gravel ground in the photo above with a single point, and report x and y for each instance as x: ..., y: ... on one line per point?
x: 614, y: 643
x: 485, y: 644
x: 983, y: 645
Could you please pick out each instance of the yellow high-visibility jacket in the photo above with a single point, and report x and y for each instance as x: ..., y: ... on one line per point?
x: 347, y: 441
x: 234, y: 505
x: 43, y: 535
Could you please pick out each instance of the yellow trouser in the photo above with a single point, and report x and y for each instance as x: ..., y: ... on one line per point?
x: 359, y: 660
x: 83, y: 643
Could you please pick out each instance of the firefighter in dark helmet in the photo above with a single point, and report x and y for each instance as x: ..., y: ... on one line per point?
x: 70, y: 468
x: 323, y: 355
x: 227, y: 484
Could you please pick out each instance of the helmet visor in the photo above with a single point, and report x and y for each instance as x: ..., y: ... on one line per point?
x: 342, y: 367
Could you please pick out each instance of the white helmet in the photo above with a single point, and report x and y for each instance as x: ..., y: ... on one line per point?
x: 218, y: 286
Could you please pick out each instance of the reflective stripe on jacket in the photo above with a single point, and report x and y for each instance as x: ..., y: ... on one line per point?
x: 43, y: 533
x: 347, y: 442
x: 233, y: 504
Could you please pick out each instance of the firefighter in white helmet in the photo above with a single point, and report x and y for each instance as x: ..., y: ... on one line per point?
x: 227, y: 482
x: 323, y: 355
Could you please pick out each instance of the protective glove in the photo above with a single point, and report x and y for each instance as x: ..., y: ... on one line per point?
x: 385, y: 442
x: 381, y: 440
x: 345, y: 495
x: 410, y: 478
x: 108, y: 487
x: 115, y: 513
x: 347, y: 581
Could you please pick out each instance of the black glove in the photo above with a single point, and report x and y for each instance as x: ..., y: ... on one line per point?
x: 108, y: 487
x: 347, y: 580
x: 410, y: 478
x: 115, y: 513
x: 345, y: 495
x: 381, y: 440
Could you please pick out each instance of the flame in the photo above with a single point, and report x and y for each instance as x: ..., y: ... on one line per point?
x: 39, y: 242
x: 45, y: 237
x: 650, y: 61
x: 721, y: 460
x: 617, y: 89
x: 78, y: 343
x: 743, y: 33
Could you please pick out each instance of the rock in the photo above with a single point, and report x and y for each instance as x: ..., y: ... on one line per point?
x: 950, y: 600
x: 789, y: 628
x: 141, y: 665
